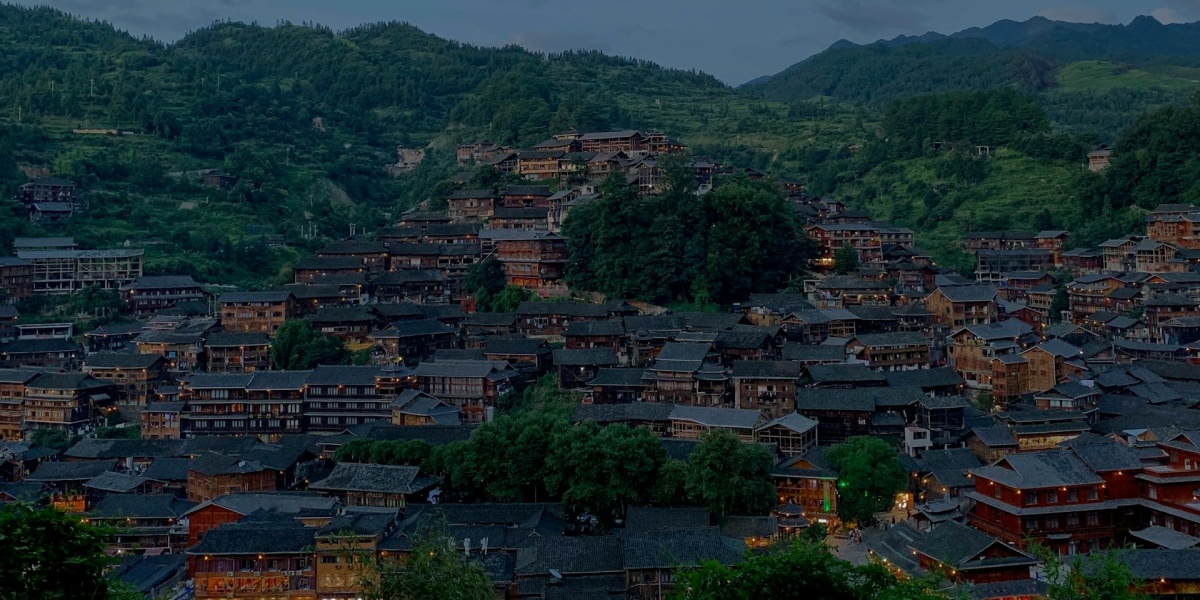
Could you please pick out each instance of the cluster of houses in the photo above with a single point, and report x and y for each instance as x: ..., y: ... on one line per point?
x: 1051, y: 398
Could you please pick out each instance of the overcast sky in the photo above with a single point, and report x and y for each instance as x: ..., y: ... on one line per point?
x: 734, y: 40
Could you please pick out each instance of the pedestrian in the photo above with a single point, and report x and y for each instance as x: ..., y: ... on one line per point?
x: 893, y: 519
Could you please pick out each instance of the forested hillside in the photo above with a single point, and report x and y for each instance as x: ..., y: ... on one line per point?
x: 308, y: 118
x: 312, y: 117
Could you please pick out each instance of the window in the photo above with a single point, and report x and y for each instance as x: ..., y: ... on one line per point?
x: 1073, y: 520
x: 1031, y: 524
x: 1072, y: 495
x: 1052, y: 497
x: 1093, y: 519
x: 247, y: 564
x: 1051, y: 522
x: 996, y: 489
x: 1031, y: 499
x: 1092, y: 494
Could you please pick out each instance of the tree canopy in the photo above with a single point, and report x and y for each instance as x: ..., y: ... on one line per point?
x: 869, y: 476
x: 297, y: 346
x: 52, y: 555
x: 716, y: 248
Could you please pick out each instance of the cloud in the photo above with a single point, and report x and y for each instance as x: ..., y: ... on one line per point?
x: 557, y: 41
x: 1166, y: 16
x: 1080, y: 14
x: 874, y: 16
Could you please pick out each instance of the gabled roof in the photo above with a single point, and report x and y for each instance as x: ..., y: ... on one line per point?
x: 925, y: 378
x: 112, y: 481
x: 390, y: 479
x: 996, y: 436
x: 729, y: 418
x: 50, y: 472
x: 968, y: 293
x: 960, y: 547
x: 613, y: 327
x: 278, y: 502
x: 236, y: 340
x: 680, y: 547
x: 290, y: 537
x: 243, y: 297
x: 121, y: 360
x: 570, y: 309
x: 844, y: 374
x: 141, y: 506
x: 793, y: 421
x: 618, y: 377
x: 767, y: 369
x: 1045, y: 469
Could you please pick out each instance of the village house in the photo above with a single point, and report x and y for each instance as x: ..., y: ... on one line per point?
x: 840, y: 291
x: 47, y: 352
x: 413, y: 408
x: 687, y: 373
x: 840, y: 413
x: 12, y: 402
x: 970, y: 350
x: 534, y: 260
x: 615, y: 386
x: 308, y: 270
x: 977, y: 241
x: 373, y: 485
x: 807, y: 482
x: 57, y: 272
x: 262, y: 312
x: 1056, y: 499
x: 530, y: 357
x: 473, y: 386
x: 576, y: 367
x: 134, y: 376
x: 471, y: 206
x: 411, y: 285
x: 1118, y: 253
x: 791, y: 434
x: 1083, y: 261
x: 336, y: 397
x: 237, y: 352
x: 149, y: 294
x: 692, y: 422
x: 965, y: 555
x: 766, y: 386
x: 899, y: 351
x: 993, y: 264
x: 408, y: 341
x: 16, y: 279
x: 956, y: 306
x: 161, y: 420
x: 212, y: 474
x: 551, y: 319
x: 70, y: 402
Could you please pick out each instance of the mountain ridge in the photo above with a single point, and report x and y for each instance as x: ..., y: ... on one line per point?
x: 1056, y: 42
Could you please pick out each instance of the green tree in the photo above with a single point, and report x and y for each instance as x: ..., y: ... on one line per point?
x: 510, y: 298
x: 603, y: 469
x: 730, y: 477
x: 1059, y: 303
x: 434, y: 569
x: 55, y: 439
x: 95, y: 302
x: 869, y: 476
x: 298, y: 346
x: 52, y: 555
x: 845, y: 260
x: 1097, y: 576
x: 797, y: 569
x: 487, y: 279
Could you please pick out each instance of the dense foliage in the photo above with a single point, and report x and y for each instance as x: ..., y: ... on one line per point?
x: 879, y: 72
x: 715, y: 248
x: 979, y: 118
x: 52, y: 555
x: 799, y: 569
x: 297, y: 346
x: 434, y: 569
x: 869, y: 476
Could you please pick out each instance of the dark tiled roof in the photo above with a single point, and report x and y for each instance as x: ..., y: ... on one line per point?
x: 168, y: 469
x: 154, y: 282
x: 570, y: 309
x: 996, y: 436
x: 256, y: 538
x: 515, y: 346
x: 732, y: 418
x: 1040, y: 470
x: 617, y: 413
x: 1107, y: 456
x: 925, y: 378
x: 242, y: 297
x: 70, y: 471
x: 968, y: 293
x: 680, y: 547
x: 618, y: 377
x: 236, y: 340
x: 595, y: 328
x: 800, y: 352
x: 374, y: 478
x: 144, y: 506
x: 844, y: 374
x: 767, y: 369
x: 342, y: 375
x: 39, y: 346
x: 121, y: 360
x: 1173, y: 565
x: 648, y: 518
x: 585, y: 357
